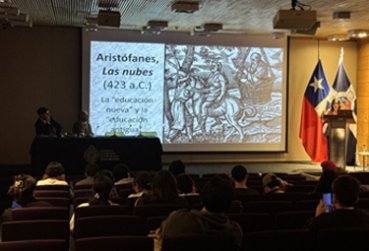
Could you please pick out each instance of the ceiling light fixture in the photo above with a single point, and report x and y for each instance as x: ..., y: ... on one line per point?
x: 338, y: 37
x: 341, y: 15
x: 358, y: 33
x: 154, y: 27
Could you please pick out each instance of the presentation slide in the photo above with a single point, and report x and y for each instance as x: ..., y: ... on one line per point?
x: 193, y: 97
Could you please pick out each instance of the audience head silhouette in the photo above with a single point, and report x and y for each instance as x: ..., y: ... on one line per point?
x: 54, y: 170
x: 185, y: 184
x: 345, y: 191
x: 91, y: 169
x: 164, y: 188
x: 217, y: 194
x: 22, y: 189
x: 239, y: 173
x: 177, y: 167
x: 102, y: 187
x: 328, y: 165
x: 120, y: 171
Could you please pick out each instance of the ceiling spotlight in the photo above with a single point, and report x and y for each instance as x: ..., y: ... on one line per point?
x: 341, y: 15
x: 358, y: 33
x: 338, y: 37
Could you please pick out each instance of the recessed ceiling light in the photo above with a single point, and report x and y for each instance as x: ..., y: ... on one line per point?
x: 341, y: 15
x: 338, y: 37
x: 358, y: 33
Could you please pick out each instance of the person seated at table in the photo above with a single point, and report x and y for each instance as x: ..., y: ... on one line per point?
x: 102, y: 187
x: 240, y: 176
x: 164, y: 191
x: 90, y: 171
x: 54, y: 175
x: 121, y: 175
x: 273, y: 184
x: 22, y: 193
x: 82, y: 127
x: 45, y: 125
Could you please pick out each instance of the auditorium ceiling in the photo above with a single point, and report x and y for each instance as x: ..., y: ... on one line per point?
x: 237, y: 16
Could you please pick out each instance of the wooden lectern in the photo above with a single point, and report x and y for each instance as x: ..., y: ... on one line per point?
x: 338, y: 131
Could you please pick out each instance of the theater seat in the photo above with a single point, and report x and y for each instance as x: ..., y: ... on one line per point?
x: 199, y: 243
x: 35, y: 229
x: 34, y: 245
x: 278, y: 240
x: 109, y: 226
x: 115, y: 243
x: 40, y: 213
x: 343, y: 239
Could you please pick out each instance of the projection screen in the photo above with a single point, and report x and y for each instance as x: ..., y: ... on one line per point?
x: 222, y: 93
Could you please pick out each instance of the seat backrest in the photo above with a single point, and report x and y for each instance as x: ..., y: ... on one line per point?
x: 292, y: 219
x: 251, y: 222
x: 301, y: 188
x: 101, y: 211
x: 298, y: 240
x: 141, y: 243
x: 109, y: 226
x: 270, y: 207
x: 82, y: 193
x: 199, y: 243
x: 40, y: 213
x: 55, y: 201
x: 155, y: 209
x: 52, y: 187
x: 34, y: 245
x: 307, y: 205
x: 343, y: 239
x: 52, y: 193
x: 153, y: 223
x: 35, y: 229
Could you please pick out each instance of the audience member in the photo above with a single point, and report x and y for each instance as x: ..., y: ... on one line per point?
x: 240, y: 176
x: 345, y: 191
x: 121, y: 175
x: 46, y: 125
x: 54, y: 175
x: 22, y: 193
x: 185, y: 185
x: 273, y: 184
x: 329, y: 174
x: 217, y: 196
x: 141, y: 185
x: 102, y: 187
x: 177, y: 167
x: 90, y: 171
x: 82, y: 127
x: 164, y: 191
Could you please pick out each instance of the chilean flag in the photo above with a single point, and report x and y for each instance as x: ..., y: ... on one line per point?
x: 313, y: 106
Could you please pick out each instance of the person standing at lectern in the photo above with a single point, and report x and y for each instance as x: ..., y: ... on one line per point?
x: 335, y: 136
x: 46, y: 125
x: 82, y: 127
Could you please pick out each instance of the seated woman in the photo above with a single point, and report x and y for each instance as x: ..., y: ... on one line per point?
x: 102, y: 187
x: 54, y: 175
x: 22, y: 193
x: 164, y: 191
